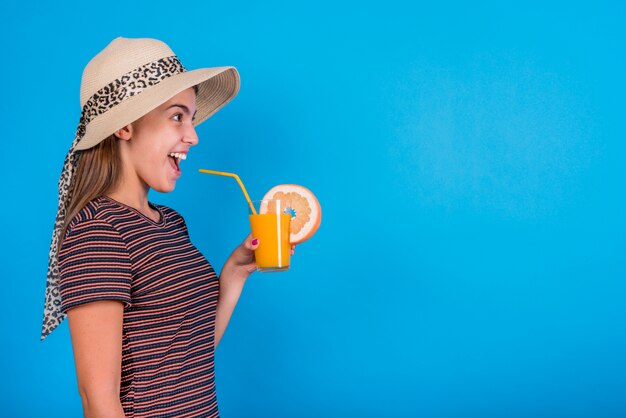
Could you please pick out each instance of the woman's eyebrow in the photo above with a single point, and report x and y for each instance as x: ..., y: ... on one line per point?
x: 182, y: 106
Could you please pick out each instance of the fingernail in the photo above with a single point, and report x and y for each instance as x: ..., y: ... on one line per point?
x: 255, y: 241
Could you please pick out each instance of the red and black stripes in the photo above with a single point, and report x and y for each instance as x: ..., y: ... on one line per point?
x: 170, y: 291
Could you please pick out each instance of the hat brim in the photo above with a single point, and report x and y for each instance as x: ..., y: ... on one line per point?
x: 216, y: 87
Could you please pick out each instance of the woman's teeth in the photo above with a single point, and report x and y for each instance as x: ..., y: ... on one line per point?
x: 178, y: 155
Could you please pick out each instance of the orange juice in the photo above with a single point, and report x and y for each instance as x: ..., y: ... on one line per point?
x: 274, y: 250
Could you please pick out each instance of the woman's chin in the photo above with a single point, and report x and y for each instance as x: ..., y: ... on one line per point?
x: 164, y: 188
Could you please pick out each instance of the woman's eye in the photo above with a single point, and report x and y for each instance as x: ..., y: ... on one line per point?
x: 178, y: 117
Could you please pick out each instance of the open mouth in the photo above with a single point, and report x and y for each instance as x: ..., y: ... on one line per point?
x: 175, y: 158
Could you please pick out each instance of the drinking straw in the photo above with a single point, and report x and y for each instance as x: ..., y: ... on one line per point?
x: 243, y: 189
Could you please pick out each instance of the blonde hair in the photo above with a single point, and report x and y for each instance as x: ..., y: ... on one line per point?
x: 98, y: 171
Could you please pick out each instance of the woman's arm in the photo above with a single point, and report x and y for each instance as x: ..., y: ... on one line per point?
x: 239, y: 266
x: 236, y: 271
x: 96, y: 331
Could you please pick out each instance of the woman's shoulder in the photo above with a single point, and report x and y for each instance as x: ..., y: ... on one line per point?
x: 97, y: 209
x: 104, y: 211
x: 92, y: 221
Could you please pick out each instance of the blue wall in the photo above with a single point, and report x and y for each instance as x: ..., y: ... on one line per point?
x: 470, y: 164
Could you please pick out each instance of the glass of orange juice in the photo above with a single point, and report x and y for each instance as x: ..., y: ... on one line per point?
x: 271, y: 226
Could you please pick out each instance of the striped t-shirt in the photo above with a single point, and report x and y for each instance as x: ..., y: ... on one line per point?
x: 169, y: 290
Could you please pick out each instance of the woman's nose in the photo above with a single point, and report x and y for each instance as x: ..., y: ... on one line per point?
x: 191, y: 137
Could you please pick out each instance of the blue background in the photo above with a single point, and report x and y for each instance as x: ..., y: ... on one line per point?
x: 469, y: 159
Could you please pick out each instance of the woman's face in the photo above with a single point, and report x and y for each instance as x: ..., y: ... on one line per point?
x: 148, y: 154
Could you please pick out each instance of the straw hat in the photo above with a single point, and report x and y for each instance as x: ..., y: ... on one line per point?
x: 126, y: 80
x: 130, y: 77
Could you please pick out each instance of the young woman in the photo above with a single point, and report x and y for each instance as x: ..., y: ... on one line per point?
x: 145, y: 308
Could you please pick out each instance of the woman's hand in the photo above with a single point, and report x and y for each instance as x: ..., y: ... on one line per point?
x: 241, y: 262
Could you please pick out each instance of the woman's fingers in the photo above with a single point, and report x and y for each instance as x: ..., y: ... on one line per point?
x: 251, y: 243
x: 244, y: 253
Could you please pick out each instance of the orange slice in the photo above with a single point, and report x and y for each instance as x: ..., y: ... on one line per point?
x: 305, y: 210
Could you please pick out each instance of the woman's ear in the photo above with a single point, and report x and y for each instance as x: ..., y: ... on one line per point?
x: 125, y: 133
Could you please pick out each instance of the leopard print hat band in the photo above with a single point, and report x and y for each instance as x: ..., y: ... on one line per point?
x: 119, y: 103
